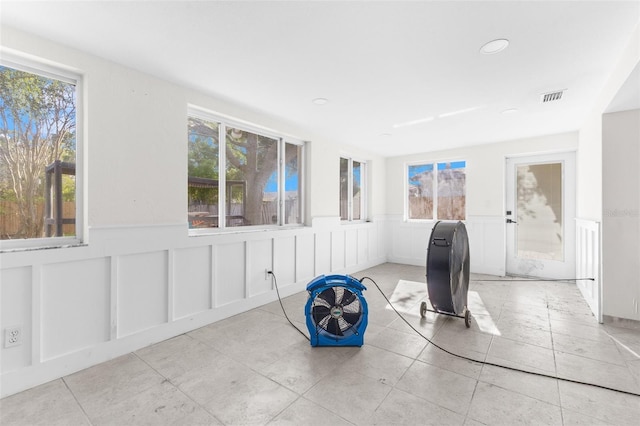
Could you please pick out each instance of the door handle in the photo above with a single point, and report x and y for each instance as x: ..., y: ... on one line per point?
x: 511, y: 221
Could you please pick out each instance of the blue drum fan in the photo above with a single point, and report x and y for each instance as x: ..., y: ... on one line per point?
x: 336, y: 311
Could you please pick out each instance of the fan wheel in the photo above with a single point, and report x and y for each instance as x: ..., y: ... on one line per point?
x: 423, y: 309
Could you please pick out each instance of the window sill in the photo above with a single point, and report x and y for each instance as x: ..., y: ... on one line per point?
x: 15, y: 248
x: 208, y: 232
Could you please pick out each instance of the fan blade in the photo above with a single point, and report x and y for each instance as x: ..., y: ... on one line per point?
x: 347, y: 298
x: 319, y: 312
x: 333, y: 327
x: 328, y: 296
x: 350, y: 318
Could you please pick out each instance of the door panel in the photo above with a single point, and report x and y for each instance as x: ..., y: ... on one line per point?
x: 540, y: 209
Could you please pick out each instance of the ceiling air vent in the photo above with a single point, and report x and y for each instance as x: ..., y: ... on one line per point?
x: 552, y: 96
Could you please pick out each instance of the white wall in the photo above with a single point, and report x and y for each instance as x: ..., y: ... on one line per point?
x: 590, y: 190
x: 140, y: 278
x: 485, y: 179
x: 621, y: 214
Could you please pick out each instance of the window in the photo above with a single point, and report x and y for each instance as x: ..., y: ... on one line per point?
x: 262, y: 181
x: 352, y: 191
x: 39, y: 173
x: 436, y: 191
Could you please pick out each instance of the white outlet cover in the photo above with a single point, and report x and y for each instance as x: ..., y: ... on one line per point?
x: 12, y: 336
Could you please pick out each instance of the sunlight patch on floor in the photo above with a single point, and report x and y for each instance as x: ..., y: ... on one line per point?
x: 480, y: 315
x: 407, y: 296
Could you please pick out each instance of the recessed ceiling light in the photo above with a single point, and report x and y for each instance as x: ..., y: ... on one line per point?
x: 320, y: 101
x: 495, y: 46
x: 509, y: 111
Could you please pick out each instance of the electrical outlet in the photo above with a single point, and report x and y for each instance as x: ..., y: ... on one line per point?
x: 12, y: 336
x: 266, y: 274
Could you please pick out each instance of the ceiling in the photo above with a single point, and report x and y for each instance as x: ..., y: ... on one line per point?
x: 400, y: 77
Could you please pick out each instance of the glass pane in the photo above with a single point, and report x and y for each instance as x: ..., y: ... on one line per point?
x: 37, y: 156
x: 451, y: 190
x: 252, y: 167
x: 293, y: 190
x: 357, y: 193
x: 539, y: 211
x: 420, y: 196
x: 203, y: 173
x: 344, y: 189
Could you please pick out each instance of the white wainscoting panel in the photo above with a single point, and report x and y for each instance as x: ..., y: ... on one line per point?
x: 75, y: 306
x: 323, y: 256
x: 351, y: 246
x: 142, y: 292
x: 15, y: 305
x: 305, y: 257
x: 230, y: 277
x: 284, y: 259
x: 259, y: 259
x: 487, y: 244
x: 409, y: 242
x: 191, y: 281
x: 135, y: 285
x: 363, y: 246
x: 588, y: 264
x: 338, y: 251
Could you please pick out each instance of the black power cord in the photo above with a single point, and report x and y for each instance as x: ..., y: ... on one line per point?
x: 539, y: 279
x: 490, y: 363
x: 275, y: 281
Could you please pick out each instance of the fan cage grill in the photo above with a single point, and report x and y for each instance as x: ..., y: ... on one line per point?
x: 330, y: 307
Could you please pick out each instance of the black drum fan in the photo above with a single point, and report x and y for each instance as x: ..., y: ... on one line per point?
x: 448, y: 271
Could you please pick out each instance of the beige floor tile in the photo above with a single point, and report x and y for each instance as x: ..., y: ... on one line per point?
x: 174, y: 363
x: 527, y: 318
x: 538, y: 387
x: 402, y: 343
x: 442, y: 387
x: 597, y: 372
x: 603, y: 405
x: 48, y: 404
x: 592, y: 332
x: 454, y: 337
x: 254, y: 368
x: 434, y: 356
x: 494, y: 405
x: 208, y: 382
x: 523, y: 333
x: 606, y: 352
x: 99, y: 387
x: 379, y: 364
x: 402, y: 408
x: 161, y: 404
x: 303, y: 366
x: 513, y: 353
x: 305, y: 412
x: 251, y: 399
x: 349, y: 395
x: 574, y: 418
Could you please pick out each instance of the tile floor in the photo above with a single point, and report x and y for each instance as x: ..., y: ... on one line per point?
x: 254, y: 368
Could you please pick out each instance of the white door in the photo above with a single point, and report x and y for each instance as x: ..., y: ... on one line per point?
x: 540, y: 212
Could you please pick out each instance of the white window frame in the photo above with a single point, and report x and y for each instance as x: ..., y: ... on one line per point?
x: 363, y: 190
x: 225, y: 121
x: 434, y: 191
x: 64, y: 74
x: 282, y: 175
